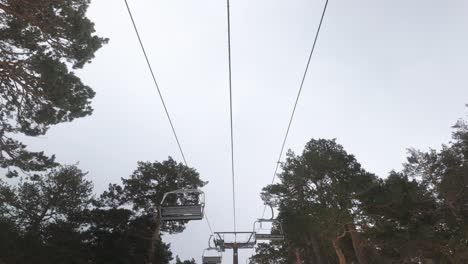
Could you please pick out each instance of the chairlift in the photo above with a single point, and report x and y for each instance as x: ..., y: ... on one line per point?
x: 231, y: 240
x: 268, y: 236
x: 211, y: 256
x: 183, y: 210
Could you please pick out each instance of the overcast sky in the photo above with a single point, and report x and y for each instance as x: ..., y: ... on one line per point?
x: 386, y: 76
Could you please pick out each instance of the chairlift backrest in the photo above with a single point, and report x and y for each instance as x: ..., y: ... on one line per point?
x: 229, y: 240
x: 212, y: 260
x: 183, y: 212
x: 270, y: 237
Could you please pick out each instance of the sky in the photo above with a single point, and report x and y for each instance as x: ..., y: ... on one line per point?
x: 386, y: 76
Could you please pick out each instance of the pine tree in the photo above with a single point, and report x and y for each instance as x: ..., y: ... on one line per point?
x: 39, y: 42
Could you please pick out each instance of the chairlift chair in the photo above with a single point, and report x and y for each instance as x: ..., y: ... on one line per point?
x: 268, y: 236
x: 183, y: 212
x: 211, y: 256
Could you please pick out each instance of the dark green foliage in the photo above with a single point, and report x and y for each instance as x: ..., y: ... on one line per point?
x: 424, y: 218
x: 118, y: 236
x: 317, y: 197
x: 38, y: 215
x: 444, y: 174
x: 334, y: 212
x: 274, y: 253
x: 38, y: 201
x: 54, y: 218
x: 39, y: 40
x: 10, y: 241
x: 178, y: 261
x: 402, y: 217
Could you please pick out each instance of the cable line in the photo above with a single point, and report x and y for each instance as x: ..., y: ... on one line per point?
x: 155, y: 82
x: 230, y: 112
x: 208, y: 222
x: 160, y: 95
x: 296, y: 102
x: 297, y: 97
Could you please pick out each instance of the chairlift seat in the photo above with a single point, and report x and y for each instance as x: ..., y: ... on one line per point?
x: 183, y: 212
x: 240, y: 245
x: 248, y: 241
x: 212, y: 259
x: 270, y: 237
x: 209, y: 256
x: 193, y: 212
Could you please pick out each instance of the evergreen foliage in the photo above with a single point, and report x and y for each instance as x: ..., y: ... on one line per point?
x: 333, y: 211
x: 40, y: 43
x: 55, y: 218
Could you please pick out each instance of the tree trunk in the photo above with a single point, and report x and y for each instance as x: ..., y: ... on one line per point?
x: 357, y: 244
x: 308, y: 254
x: 429, y: 261
x: 155, y: 238
x: 319, y: 259
x: 338, y: 250
x: 298, y: 256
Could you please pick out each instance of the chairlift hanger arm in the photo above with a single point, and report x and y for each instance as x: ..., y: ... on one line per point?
x: 271, y: 219
x: 209, y: 242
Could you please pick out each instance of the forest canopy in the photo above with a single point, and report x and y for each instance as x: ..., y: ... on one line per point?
x: 331, y: 208
x: 334, y: 211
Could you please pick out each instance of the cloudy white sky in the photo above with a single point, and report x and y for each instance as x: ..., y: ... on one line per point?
x: 386, y: 75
